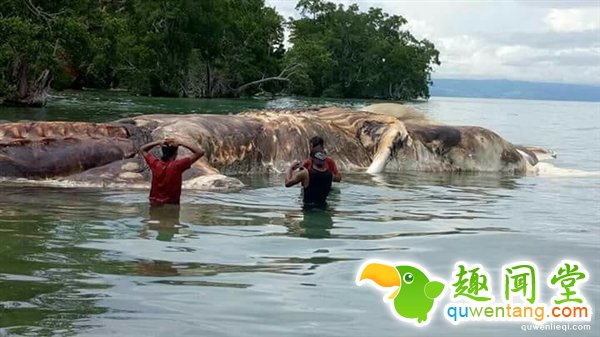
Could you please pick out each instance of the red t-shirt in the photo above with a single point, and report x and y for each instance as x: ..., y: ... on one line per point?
x: 166, y: 179
x: 329, y: 163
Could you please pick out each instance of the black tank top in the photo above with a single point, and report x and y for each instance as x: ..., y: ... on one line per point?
x: 319, y: 185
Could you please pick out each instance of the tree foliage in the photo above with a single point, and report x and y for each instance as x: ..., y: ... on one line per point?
x: 209, y: 48
x: 349, y: 53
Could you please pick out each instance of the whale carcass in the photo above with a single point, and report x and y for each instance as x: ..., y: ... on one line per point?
x: 254, y: 142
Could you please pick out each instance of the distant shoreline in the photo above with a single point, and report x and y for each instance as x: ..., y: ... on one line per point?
x: 507, y: 89
x: 441, y: 88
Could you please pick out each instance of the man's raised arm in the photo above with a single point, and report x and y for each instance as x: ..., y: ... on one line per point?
x: 294, y: 176
x: 197, y: 152
x: 147, y: 147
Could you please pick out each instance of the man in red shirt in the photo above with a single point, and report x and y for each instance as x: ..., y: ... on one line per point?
x: 167, y: 171
x: 317, y: 145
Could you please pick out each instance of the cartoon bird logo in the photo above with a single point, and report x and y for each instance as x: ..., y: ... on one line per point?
x: 413, y: 292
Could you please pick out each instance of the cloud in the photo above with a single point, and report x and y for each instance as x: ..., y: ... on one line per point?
x: 531, y: 40
x: 420, y: 28
x: 473, y: 57
x: 547, y: 39
x: 573, y: 19
x: 559, y: 3
x: 285, y: 8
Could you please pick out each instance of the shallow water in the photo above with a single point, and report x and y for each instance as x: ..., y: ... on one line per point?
x: 82, y: 261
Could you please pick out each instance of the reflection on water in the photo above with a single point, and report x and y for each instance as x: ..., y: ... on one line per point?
x: 312, y: 223
x: 316, y: 223
x: 102, y: 106
x: 164, y: 219
x: 102, y: 262
x: 76, y: 260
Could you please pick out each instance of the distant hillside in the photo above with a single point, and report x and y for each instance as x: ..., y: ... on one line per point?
x: 514, y: 90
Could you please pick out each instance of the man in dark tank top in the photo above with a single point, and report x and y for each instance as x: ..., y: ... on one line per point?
x: 317, y: 143
x: 316, y: 180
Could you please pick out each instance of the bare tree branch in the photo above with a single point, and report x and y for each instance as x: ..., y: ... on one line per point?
x: 284, y: 76
x: 38, y: 12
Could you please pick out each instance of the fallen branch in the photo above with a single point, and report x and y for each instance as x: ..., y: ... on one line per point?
x: 274, y: 78
x: 38, y: 12
x: 284, y: 76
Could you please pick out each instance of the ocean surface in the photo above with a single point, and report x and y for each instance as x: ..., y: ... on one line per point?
x: 93, y: 262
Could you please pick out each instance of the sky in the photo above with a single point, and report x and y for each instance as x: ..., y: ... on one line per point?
x: 529, y: 40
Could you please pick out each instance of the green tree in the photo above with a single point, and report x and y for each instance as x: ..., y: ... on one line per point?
x: 74, y: 41
x: 157, y: 47
x: 349, y: 53
x: 26, y: 51
x: 207, y: 48
x: 201, y: 48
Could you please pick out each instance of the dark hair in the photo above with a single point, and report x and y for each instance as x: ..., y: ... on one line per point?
x: 168, y: 152
x: 316, y: 141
